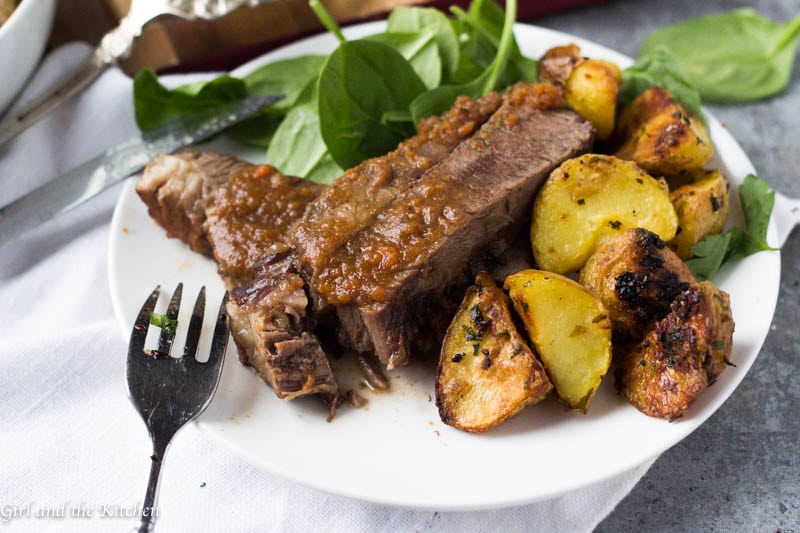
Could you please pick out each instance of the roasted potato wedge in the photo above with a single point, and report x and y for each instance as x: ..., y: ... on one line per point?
x: 570, y: 329
x: 486, y: 372
x: 681, y: 355
x: 637, y: 277
x: 661, y: 135
x: 591, y: 90
x: 590, y: 199
x: 701, y: 202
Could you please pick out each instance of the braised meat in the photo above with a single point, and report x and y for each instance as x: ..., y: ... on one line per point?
x: 392, y: 276
x: 240, y: 213
x: 178, y: 188
x: 357, y: 199
x: 250, y: 215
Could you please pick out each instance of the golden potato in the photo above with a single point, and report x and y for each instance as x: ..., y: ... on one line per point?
x: 702, y: 203
x: 486, y: 372
x: 661, y: 135
x: 681, y: 355
x: 590, y: 199
x: 637, y: 278
x: 591, y: 90
x: 570, y: 329
x: 590, y: 86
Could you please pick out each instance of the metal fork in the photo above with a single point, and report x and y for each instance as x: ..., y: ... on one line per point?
x: 115, y: 46
x: 170, y: 391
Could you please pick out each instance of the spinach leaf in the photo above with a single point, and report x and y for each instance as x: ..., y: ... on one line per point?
x: 155, y: 105
x: 420, y: 50
x: 659, y: 67
x: 715, y: 250
x: 362, y: 80
x: 731, y: 57
x: 298, y: 149
x: 482, y: 26
x: 417, y: 19
x: 438, y: 100
x: 256, y: 131
x: 289, y: 77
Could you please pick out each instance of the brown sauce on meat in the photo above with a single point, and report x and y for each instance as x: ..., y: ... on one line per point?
x: 368, y: 267
x: 253, y: 212
x: 357, y: 199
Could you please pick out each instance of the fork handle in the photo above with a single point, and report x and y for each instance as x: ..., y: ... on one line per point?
x: 17, y: 122
x: 149, y: 510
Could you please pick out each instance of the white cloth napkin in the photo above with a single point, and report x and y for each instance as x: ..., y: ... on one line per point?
x: 71, y: 444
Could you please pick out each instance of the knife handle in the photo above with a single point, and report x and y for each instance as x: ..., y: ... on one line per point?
x: 15, y: 123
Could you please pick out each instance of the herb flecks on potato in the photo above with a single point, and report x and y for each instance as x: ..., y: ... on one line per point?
x: 570, y: 329
x: 486, y: 372
x: 702, y: 203
x: 662, y: 136
x: 637, y: 277
x: 590, y: 199
x: 684, y: 353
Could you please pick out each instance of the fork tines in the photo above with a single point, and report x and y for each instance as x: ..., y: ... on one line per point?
x: 167, y: 336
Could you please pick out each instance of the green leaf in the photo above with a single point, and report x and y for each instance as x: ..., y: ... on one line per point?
x: 420, y: 50
x: 292, y: 78
x: 326, y: 19
x: 731, y: 57
x: 297, y: 148
x: 482, y: 27
x: 256, y: 131
x: 712, y: 252
x: 361, y: 81
x: 436, y: 101
x: 709, y: 255
x: 169, y: 325
x: 155, y: 105
x: 417, y: 19
x: 659, y: 67
x: 757, y: 203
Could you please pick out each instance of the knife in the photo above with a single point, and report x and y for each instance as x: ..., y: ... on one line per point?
x: 96, y: 175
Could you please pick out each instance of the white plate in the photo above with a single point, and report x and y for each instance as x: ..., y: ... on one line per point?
x: 396, y: 451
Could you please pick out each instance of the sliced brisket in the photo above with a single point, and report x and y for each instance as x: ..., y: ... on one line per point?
x: 359, y: 197
x: 240, y: 213
x: 177, y: 189
x: 392, y: 280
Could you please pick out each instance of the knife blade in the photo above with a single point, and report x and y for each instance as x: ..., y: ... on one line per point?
x: 118, y: 163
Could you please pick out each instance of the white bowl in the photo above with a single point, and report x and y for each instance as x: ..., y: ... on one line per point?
x: 22, y: 41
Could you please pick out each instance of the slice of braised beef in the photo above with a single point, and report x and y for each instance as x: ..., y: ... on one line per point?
x: 239, y: 213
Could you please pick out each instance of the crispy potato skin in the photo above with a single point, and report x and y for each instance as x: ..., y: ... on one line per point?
x: 702, y: 202
x: 661, y: 135
x: 685, y: 352
x: 590, y: 199
x: 570, y: 329
x: 637, y: 277
x: 486, y: 372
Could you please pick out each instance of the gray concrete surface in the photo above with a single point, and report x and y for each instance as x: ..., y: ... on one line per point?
x: 740, y: 471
